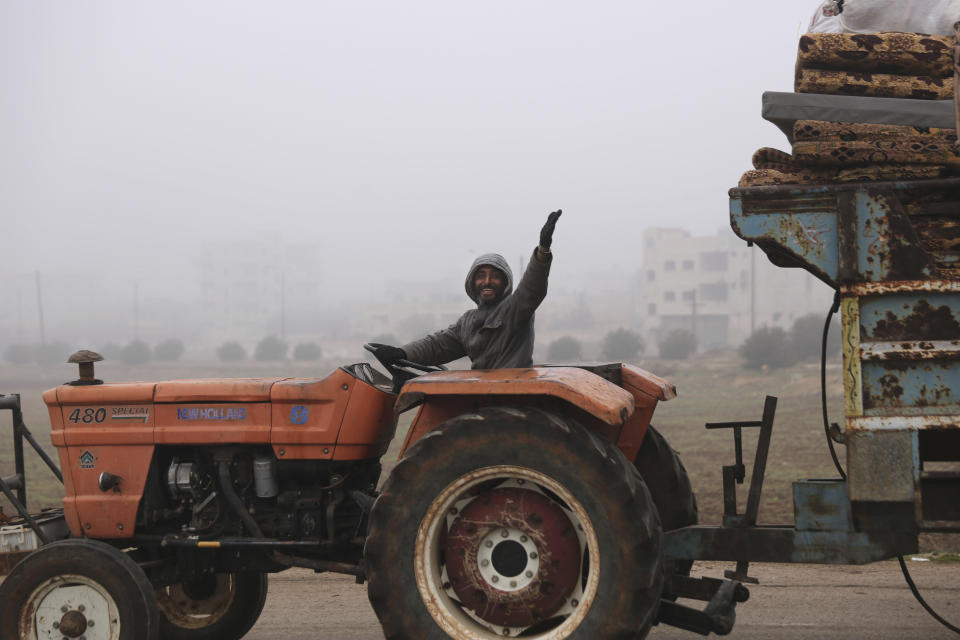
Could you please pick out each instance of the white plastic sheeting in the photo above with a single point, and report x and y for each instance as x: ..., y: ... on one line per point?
x: 935, y: 17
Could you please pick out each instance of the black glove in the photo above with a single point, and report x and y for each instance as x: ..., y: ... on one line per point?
x: 546, y: 234
x: 388, y: 355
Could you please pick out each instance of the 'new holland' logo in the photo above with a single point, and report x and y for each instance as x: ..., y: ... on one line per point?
x: 211, y: 413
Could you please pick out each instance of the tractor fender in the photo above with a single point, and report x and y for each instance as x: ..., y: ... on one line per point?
x: 446, y: 394
x: 620, y: 397
x: 600, y: 398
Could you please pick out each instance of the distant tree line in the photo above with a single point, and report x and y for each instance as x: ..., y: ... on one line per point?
x: 269, y: 349
x: 137, y: 352
x: 774, y: 348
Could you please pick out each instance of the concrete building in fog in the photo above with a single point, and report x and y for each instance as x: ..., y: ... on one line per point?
x: 718, y: 288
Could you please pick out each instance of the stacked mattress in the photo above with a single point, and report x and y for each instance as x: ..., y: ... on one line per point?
x: 875, y: 130
x: 881, y: 65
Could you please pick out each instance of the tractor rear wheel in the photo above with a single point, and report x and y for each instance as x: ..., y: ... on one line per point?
x: 669, y: 485
x: 215, y: 606
x: 78, y: 587
x: 514, y: 521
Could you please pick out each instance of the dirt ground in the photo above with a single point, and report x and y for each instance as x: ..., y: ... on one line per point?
x: 799, y: 602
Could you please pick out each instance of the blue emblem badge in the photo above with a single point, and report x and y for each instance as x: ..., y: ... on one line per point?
x: 299, y: 414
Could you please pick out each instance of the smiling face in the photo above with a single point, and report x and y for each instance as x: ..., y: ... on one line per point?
x: 489, y: 284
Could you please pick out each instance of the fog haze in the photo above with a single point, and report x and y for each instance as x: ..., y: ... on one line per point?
x: 383, y: 145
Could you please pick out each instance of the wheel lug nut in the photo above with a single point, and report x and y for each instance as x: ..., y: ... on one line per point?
x: 513, y: 583
x: 495, y: 579
x: 529, y: 574
x: 56, y: 625
x: 504, y: 534
x: 574, y: 602
x: 64, y: 609
x: 81, y: 608
x: 533, y: 555
x: 484, y: 563
x: 89, y: 623
x: 488, y: 543
x: 446, y: 585
x: 523, y: 538
x: 521, y: 481
x: 453, y: 511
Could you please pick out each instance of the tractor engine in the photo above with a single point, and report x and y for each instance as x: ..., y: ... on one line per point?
x: 247, y: 492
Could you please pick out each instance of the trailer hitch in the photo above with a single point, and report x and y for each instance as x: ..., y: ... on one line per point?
x: 735, y: 474
x: 717, y: 617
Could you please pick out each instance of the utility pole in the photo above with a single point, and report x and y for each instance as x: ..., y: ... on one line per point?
x: 693, y: 314
x: 19, y: 315
x: 136, y: 311
x: 283, y: 306
x: 43, y: 334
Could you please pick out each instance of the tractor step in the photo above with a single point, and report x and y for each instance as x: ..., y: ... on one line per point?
x: 717, y: 617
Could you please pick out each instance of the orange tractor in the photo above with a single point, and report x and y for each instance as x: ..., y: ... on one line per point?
x: 527, y: 502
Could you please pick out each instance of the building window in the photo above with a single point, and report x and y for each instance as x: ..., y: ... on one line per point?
x: 688, y: 296
x: 713, y: 260
x: 670, y: 265
x: 669, y: 296
x: 713, y: 292
x: 651, y: 275
x: 651, y: 309
x: 688, y: 265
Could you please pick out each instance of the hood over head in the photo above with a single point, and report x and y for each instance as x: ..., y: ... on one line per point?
x: 492, y: 260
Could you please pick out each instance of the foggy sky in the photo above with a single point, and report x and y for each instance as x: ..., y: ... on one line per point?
x: 401, y: 138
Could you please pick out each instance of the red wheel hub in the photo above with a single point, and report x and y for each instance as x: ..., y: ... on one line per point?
x: 513, y: 557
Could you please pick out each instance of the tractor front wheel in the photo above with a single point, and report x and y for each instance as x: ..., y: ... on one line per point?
x: 214, y: 606
x: 77, y: 588
x: 513, y: 522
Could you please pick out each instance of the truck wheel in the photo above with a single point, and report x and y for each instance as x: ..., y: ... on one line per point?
x: 78, y: 587
x: 508, y: 522
x: 214, y: 606
x: 669, y: 485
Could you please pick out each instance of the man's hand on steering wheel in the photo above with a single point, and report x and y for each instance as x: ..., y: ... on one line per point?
x: 396, y: 358
x: 386, y: 354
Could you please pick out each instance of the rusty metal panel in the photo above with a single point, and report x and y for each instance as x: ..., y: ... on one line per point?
x: 882, y: 466
x: 888, y: 247
x: 801, y: 228
x: 821, y: 505
x: 899, y: 316
x: 910, y: 387
x: 909, y: 349
x: 854, y: 232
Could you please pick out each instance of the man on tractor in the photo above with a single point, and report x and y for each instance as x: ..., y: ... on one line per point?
x: 499, y: 332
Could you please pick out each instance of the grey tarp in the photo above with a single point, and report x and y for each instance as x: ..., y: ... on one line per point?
x: 783, y: 109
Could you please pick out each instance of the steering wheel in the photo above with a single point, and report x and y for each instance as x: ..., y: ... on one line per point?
x: 405, y: 364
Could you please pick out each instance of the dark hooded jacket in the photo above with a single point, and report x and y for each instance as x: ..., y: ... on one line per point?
x: 496, y: 336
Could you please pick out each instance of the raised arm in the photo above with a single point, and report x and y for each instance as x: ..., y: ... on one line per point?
x: 532, y: 288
